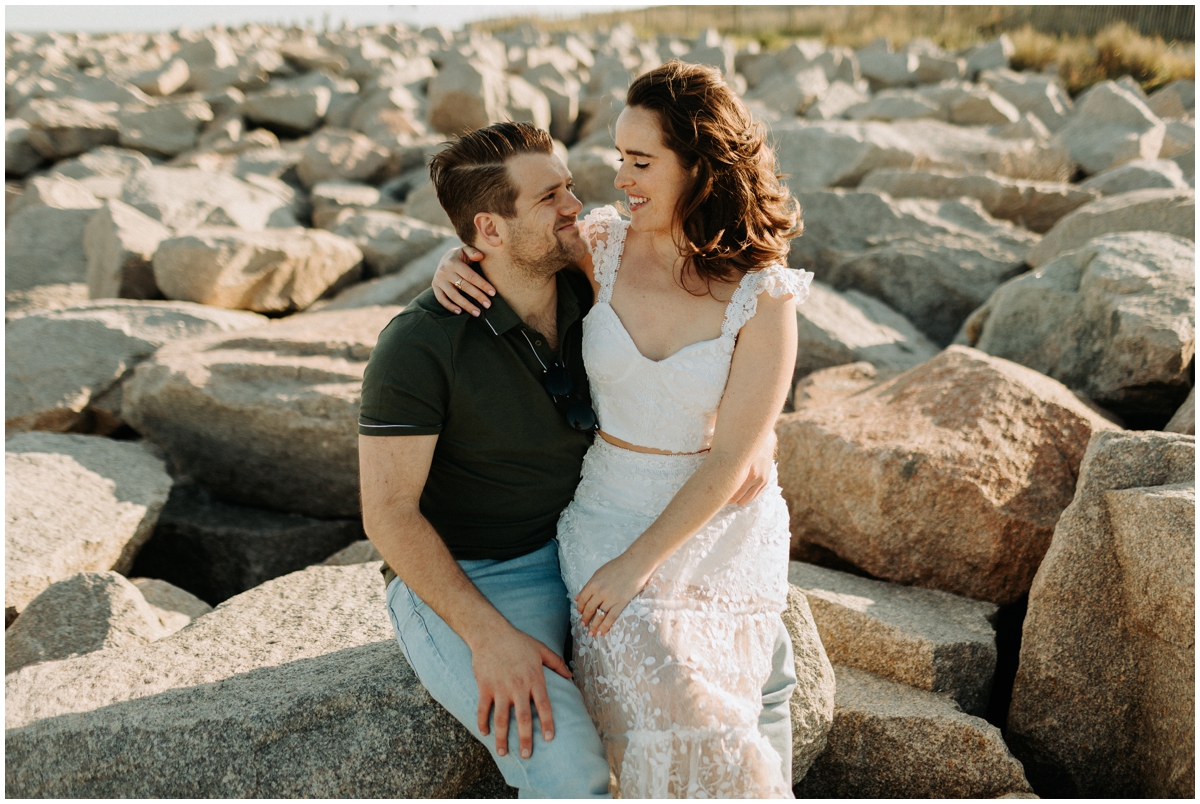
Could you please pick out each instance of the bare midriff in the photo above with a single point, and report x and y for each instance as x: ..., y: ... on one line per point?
x: 616, y: 442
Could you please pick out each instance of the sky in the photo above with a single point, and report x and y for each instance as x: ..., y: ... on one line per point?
x: 167, y: 17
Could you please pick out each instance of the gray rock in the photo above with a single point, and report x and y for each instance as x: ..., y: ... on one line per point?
x: 164, y: 80
x: 1038, y: 94
x: 1167, y: 211
x: 993, y: 55
x: 103, y: 171
x: 329, y: 198
x: 933, y: 69
x: 1184, y: 420
x: 423, y: 205
x: 1174, y: 100
x: 74, y: 503
x: 562, y: 91
x: 388, y: 241
x: 398, y: 288
x: 120, y: 242
x: 359, y: 552
x: 175, y: 607
x: 933, y: 261
x: 62, y: 363
x: 527, y: 104
x: 264, y: 417
x: 924, y: 638
x: 59, y: 192
x: 44, y: 242
x: 983, y: 108
x: 813, y: 699
x: 1179, y: 139
x: 294, y: 110
x: 1037, y: 206
x: 273, y: 270
x: 1114, y: 320
x: 884, y: 69
x: 594, y: 169
x: 166, y: 129
x: 339, y: 155
x: 1111, y: 126
x: 189, y: 198
x: 831, y: 385
x: 20, y: 157
x: 835, y: 101
x: 63, y: 127
x: 45, y: 297
x: 890, y: 480
x: 216, y: 550
x: 1028, y: 127
x: 835, y: 328
x: 466, y: 94
x: 262, y: 697
x: 1104, y: 699
x: 791, y: 93
x: 893, y: 105
x: 889, y: 739
x: 86, y: 612
x: 837, y: 153
x: 1140, y: 174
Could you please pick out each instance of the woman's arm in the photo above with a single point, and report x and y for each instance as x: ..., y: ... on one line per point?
x: 456, y: 283
x: 762, y: 368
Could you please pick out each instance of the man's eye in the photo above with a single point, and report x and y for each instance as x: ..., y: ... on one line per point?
x: 636, y: 165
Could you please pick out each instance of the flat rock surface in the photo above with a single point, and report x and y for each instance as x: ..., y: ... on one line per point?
x: 924, y: 638
x: 1104, y: 699
x: 891, y: 479
x: 264, y: 417
x: 890, y: 740
x: 75, y: 503
x: 294, y: 689
x: 60, y: 361
x: 269, y: 271
x: 1167, y: 211
x: 836, y: 328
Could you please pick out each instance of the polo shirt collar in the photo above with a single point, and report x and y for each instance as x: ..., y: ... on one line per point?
x: 500, y: 317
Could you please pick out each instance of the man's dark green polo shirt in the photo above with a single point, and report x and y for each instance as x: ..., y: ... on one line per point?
x: 506, y: 462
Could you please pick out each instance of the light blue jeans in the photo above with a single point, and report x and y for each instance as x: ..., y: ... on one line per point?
x: 529, y: 592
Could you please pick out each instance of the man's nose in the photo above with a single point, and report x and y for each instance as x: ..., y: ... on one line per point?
x: 572, y: 206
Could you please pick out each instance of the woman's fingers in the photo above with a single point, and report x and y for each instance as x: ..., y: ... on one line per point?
x: 444, y: 300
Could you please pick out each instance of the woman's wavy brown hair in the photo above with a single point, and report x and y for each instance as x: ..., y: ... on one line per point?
x: 737, y: 216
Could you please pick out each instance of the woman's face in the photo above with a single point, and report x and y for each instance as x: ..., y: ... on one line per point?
x: 650, y: 173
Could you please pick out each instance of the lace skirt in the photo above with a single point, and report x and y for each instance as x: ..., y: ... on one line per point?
x: 675, y: 687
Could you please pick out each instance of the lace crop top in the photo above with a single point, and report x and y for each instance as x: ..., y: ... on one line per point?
x: 668, y: 404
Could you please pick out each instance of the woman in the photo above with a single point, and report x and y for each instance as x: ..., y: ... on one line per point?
x: 678, y: 595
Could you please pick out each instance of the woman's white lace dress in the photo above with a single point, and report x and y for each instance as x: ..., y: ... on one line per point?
x: 675, y: 686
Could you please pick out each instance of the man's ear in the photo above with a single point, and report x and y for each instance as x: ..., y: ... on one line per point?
x: 490, y: 230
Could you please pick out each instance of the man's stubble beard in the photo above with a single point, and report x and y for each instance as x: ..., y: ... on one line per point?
x: 525, y: 257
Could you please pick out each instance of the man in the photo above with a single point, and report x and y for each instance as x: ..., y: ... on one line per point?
x: 472, y: 434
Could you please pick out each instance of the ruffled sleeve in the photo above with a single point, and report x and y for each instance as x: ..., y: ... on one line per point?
x: 779, y: 280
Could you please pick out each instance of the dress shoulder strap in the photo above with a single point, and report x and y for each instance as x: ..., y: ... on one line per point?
x: 777, y: 280
x: 603, y: 232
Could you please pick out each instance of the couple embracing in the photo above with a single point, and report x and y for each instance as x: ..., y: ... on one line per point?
x: 589, y: 451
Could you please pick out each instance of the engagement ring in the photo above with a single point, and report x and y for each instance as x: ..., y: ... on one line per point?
x: 602, y: 612
x: 458, y: 284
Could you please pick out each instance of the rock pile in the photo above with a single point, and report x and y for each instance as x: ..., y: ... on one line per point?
x: 206, y: 231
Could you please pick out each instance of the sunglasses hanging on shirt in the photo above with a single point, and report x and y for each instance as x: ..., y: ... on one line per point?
x: 557, y: 381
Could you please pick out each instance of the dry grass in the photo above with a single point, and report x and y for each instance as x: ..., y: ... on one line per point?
x: 1115, y: 52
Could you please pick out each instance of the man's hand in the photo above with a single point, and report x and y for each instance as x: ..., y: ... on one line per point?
x: 757, y: 473
x: 508, y: 670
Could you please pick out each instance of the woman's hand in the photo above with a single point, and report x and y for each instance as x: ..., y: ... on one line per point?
x: 455, y: 282
x: 609, y: 591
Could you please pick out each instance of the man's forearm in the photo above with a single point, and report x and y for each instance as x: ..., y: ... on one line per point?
x: 416, y: 553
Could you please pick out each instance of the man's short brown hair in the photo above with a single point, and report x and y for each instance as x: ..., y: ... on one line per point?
x: 471, y: 176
